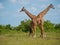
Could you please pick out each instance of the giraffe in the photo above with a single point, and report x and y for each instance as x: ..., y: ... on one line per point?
x: 40, y: 19
x: 33, y: 22
x: 37, y: 20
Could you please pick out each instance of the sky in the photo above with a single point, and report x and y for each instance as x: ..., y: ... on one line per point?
x: 9, y: 10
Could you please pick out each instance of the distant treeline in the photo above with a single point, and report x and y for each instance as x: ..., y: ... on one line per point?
x: 25, y: 27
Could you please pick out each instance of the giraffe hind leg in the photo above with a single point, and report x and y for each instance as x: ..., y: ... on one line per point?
x: 42, y: 31
x: 34, y: 31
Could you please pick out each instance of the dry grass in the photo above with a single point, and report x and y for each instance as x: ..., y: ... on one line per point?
x: 52, y: 38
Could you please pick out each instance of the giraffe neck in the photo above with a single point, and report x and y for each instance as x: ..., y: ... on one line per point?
x: 29, y: 14
x: 44, y: 12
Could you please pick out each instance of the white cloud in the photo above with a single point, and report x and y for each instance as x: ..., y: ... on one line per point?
x: 43, y: 0
x: 58, y: 6
x: 33, y: 9
x: 1, y: 6
x: 13, y: 1
x: 43, y: 5
x: 24, y: 2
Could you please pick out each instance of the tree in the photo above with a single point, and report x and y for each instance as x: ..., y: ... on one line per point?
x: 8, y: 27
x: 24, y: 26
x: 48, y: 25
x: 57, y: 26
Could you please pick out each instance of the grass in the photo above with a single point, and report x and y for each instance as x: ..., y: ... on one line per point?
x: 21, y: 38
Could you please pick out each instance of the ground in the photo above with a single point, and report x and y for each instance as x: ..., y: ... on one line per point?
x: 21, y: 38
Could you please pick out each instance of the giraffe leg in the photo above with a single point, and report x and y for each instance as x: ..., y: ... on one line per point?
x: 42, y: 30
x: 31, y: 30
x: 34, y: 31
x: 33, y: 27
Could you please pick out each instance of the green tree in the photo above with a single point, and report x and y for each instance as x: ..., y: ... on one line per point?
x: 57, y: 26
x: 8, y: 26
x: 25, y: 26
x: 48, y: 26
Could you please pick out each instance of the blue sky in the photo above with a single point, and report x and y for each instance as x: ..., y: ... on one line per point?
x: 9, y: 10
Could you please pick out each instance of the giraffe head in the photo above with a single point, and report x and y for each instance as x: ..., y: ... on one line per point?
x: 22, y: 9
x: 51, y: 6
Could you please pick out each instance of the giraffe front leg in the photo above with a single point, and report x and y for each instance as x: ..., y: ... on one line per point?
x: 33, y: 29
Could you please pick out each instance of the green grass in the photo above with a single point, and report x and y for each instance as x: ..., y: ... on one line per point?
x: 21, y: 38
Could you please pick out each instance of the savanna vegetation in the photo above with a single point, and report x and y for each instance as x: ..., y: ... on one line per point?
x: 19, y: 35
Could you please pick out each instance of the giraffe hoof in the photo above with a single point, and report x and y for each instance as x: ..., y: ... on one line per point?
x: 34, y: 36
x: 43, y: 36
